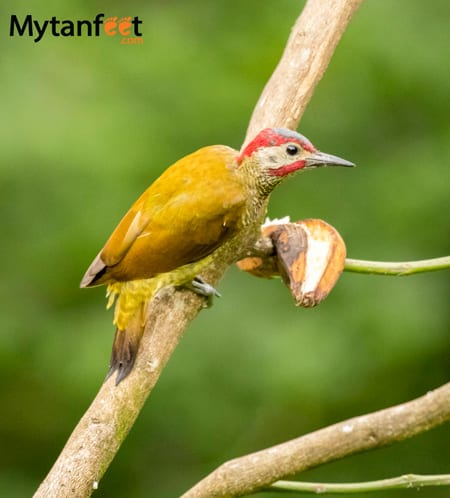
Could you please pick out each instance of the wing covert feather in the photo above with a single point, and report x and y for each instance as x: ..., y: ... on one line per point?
x: 191, y: 209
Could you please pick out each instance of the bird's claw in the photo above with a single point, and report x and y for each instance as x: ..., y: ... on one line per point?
x: 199, y: 286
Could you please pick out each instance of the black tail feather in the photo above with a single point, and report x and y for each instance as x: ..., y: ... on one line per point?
x: 123, y: 355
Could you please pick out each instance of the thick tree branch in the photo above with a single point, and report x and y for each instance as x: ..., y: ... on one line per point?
x: 308, y: 52
x: 253, y: 472
x: 97, y: 437
x: 99, y: 434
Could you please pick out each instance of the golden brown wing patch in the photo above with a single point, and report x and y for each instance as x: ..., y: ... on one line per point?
x: 190, y: 210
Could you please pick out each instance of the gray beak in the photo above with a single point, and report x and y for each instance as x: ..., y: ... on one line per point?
x: 321, y: 159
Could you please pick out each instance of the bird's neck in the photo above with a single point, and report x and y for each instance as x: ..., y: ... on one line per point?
x: 259, y: 183
x: 258, y: 190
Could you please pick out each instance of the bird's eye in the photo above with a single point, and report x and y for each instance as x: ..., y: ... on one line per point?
x: 292, y: 149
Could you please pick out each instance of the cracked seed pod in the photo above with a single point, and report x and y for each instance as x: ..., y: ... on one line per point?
x: 309, y: 255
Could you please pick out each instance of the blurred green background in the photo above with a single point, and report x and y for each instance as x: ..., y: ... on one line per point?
x: 87, y: 124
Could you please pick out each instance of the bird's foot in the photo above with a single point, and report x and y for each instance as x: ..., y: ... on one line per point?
x: 199, y: 286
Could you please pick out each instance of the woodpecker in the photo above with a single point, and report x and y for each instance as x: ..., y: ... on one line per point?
x: 211, y: 201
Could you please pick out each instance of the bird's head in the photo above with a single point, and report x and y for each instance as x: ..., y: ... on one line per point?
x: 278, y: 152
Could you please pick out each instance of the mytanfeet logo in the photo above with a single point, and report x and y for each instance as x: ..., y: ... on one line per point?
x: 128, y: 28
